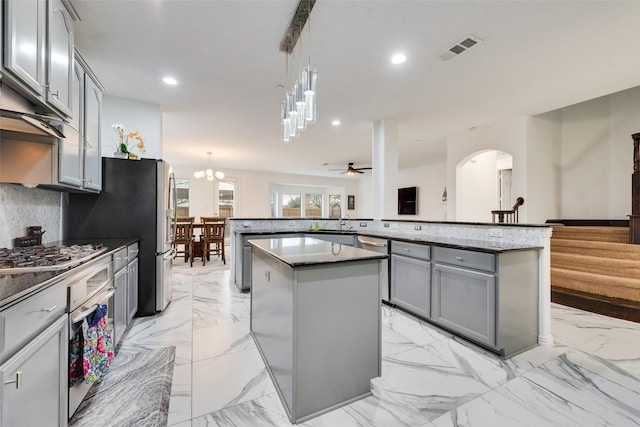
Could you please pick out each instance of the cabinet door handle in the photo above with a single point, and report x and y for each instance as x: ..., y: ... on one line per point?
x: 459, y: 258
x: 50, y: 309
x: 17, y: 380
x: 267, y: 274
x: 55, y: 94
x: 406, y: 249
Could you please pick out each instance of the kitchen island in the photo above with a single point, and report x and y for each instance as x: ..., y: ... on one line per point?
x: 315, y: 318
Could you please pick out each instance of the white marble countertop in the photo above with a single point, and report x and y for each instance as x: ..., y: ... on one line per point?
x: 490, y: 245
x: 305, y: 251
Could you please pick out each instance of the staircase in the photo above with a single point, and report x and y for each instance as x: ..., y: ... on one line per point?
x: 596, y: 269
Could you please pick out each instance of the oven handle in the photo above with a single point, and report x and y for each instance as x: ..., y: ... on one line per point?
x: 85, y: 313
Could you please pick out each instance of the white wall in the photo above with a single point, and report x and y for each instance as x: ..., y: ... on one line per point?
x: 510, y: 137
x: 477, y: 183
x: 253, y: 190
x: 430, y: 180
x: 544, y: 166
x: 143, y: 117
x: 597, y: 156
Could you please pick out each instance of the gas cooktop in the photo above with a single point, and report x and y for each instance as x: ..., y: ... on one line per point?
x: 45, y: 258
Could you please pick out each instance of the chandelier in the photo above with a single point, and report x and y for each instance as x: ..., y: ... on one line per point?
x: 209, y: 173
x: 299, y: 106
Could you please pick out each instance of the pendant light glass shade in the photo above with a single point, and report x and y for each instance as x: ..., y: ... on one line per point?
x: 293, y: 115
x: 310, y: 78
x: 298, y: 94
x: 284, y: 122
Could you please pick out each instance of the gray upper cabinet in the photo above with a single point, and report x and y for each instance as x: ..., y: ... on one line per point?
x: 80, y: 152
x: 38, y: 52
x: 71, y: 168
x: 92, y: 144
x: 60, y: 63
x: 24, y: 43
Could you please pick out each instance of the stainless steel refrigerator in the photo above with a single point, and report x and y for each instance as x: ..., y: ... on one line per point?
x: 137, y: 200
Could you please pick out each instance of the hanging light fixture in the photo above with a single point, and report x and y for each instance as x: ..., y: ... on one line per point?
x: 208, y: 173
x: 299, y: 107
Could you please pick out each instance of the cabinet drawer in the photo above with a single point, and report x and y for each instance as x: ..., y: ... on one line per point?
x: 464, y: 258
x: 119, y: 259
x: 132, y: 252
x: 411, y: 250
x: 26, y: 319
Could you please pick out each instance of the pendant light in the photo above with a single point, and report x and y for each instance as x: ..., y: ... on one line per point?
x: 209, y: 173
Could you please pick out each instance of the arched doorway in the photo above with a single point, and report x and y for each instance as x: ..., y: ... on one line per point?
x: 483, y: 184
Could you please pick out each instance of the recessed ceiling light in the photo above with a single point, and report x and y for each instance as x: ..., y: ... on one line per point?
x: 336, y: 122
x: 398, y: 58
x: 170, y: 81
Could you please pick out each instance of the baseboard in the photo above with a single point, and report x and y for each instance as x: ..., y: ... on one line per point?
x: 612, y: 307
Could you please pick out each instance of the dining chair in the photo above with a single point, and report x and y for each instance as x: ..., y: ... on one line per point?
x: 204, y: 219
x: 213, y: 242
x: 189, y: 219
x: 184, y: 237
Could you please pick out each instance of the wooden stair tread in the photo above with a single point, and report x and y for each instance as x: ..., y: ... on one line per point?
x: 591, y: 233
x: 597, y: 284
x: 599, y: 265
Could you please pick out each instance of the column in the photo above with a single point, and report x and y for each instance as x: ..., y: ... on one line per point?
x: 385, y: 169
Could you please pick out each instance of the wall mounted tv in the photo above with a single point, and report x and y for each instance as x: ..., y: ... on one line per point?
x: 408, y: 201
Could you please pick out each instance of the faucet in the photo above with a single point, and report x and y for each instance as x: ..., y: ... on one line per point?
x: 342, y: 222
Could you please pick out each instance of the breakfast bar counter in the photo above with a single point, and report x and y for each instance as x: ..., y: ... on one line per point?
x: 315, y: 318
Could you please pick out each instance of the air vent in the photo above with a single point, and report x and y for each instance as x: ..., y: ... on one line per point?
x: 462, y: 46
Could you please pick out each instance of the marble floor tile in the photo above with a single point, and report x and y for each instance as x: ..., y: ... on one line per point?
x: 210, y: 314
x: 228, y: 380
x: 429, y: 383
x: 265, y: 411
x: 577, y: 389
x: 180, y: 405
x: 589, y: 377
x: 393, y: 342
x: 221, y: 340
x: 491, y: 410
x: 620, y: 345
x: 408, y: 326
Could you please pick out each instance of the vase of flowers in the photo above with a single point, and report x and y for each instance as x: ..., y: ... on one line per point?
x: 123, y: 149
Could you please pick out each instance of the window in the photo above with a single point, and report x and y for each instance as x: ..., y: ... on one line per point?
x: 226, y: 196
x: 274, y: 204
x: 291, y: 204
x: 335, y: 206
x: 182, y: 194
x: 313, y: 205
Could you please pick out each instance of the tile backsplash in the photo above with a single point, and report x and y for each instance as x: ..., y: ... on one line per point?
x: 21, y: 207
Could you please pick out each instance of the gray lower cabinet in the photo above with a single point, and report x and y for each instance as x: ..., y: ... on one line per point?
x: 34, y: 381
x: 318, y: 330
x: 120, y: 304
x: 411, y: 277
x: 490, y: 298
x: 464, y: 300
x: 132, y: 289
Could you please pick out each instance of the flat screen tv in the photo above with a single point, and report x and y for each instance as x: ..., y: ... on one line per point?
x: 408, y: 201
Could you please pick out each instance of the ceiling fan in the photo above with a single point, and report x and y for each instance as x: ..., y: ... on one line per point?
x: 351, y: 170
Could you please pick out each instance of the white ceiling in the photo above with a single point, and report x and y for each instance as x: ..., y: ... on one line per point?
x: 536, y: 56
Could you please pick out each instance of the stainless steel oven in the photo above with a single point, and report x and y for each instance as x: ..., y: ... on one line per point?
x: 89, y: 290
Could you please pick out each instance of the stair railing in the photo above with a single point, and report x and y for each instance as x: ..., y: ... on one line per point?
x: 508, y: 216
